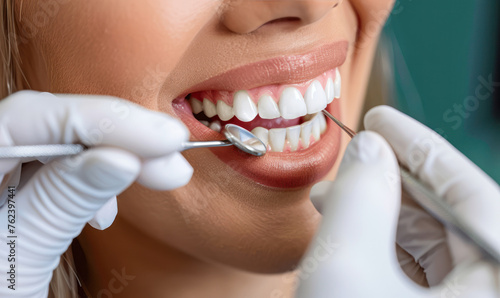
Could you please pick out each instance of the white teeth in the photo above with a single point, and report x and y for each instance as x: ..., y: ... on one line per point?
x: 322, y: 122
x: 315, y: 98
x: 293, y: 137
x: 209, y: 108
x: 337, y: 83
x: 196, y: 105
x: 215, y: 126
x: 330, y: 91
x: 262, y: 134
x: 305, y: 134
x: 243, y: 106
x: 316, y: 129
x: 292, y: 104
x: 268, y: 109
x: 224, y: 111
x: 277, y: 137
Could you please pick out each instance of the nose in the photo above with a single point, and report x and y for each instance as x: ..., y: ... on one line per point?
x: 245, y: 16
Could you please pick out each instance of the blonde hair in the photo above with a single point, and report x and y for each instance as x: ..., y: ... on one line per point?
x: 10, y: 71
x: 64, y: 282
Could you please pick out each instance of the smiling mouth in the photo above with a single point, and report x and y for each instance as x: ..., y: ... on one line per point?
x: 280, y: 101
x: 286, y: 118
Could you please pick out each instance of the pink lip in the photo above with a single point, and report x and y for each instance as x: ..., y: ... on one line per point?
x: 279, y: 70
x: 281, y: 170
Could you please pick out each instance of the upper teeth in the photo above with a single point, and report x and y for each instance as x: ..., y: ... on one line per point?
x: 292, y: 104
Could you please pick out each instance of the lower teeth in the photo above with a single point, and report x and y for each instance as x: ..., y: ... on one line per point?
x: 290, y: 139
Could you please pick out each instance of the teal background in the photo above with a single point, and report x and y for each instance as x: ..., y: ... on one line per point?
x: 439, y: 50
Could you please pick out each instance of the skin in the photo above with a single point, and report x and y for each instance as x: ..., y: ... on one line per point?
x: 213, y: 237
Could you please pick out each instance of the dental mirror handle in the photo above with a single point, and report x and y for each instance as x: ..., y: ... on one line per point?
x: 34, y: 151
x: 73, y: 149
x: 207, y: 144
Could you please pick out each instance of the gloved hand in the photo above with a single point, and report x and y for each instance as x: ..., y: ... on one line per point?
x: 360, y: 218
x: 48, y: 205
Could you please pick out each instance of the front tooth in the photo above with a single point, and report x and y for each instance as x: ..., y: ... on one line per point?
x: 330, y: 91
x: 216, y: 126
x: 209, y: 108
x: 204, y: 122
x: 305, y: 133
x: 268, y: 109
x: 262, y: 134
x: 196, y: 105
x: 316, y: 129
x: 292, y: 104
x: 293, y: 136
x: 322, y: 122
x: 277, y: 138
x: 243, y: 106
x: 338, y: 83
x: 224, y: 111
x: 315, y: 98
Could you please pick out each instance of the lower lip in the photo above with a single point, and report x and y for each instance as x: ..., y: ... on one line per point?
x: 280, y: 170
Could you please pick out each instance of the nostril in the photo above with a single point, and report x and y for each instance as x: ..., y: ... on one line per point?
x: 287, y: 20
x: 282, y: 20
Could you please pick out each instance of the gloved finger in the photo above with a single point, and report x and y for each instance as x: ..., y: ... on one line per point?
x: 105, y: 216
x: 89, y: 119
x: 365, y: 195
x: 165, y: 173
x: 66, y: 193
x: 354, y: 249
x: 473, y: 195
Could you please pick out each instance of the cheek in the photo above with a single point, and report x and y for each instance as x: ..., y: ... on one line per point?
x: 372, y: 17
x: 137, y: 43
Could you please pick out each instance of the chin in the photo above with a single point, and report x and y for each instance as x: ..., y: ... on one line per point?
x: 260, y: 241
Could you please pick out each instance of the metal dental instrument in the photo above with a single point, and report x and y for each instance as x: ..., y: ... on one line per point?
x: 237, y: 136
x: 436, y: 206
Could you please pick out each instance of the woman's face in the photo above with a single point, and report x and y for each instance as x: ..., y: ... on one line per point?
x: 272, y: 58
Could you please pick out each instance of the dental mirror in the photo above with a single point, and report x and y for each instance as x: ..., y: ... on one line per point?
x: 237, y: 136
x: 245, y: 140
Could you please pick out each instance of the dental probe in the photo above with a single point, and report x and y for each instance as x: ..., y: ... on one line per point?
x: 237, y: 136
x: 436, y: 206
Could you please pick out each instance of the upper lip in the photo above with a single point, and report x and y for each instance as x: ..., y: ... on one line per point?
x: 290, y: 69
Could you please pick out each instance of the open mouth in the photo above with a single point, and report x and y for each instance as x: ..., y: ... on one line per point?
x: 280, y: 101
x: 286, y: 118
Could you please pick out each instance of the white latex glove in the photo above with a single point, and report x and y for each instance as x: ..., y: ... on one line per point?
x: 53, y: 202
x: 360, y: 217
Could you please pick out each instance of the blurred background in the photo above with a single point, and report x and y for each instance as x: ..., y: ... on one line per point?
x: 438, y: 62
